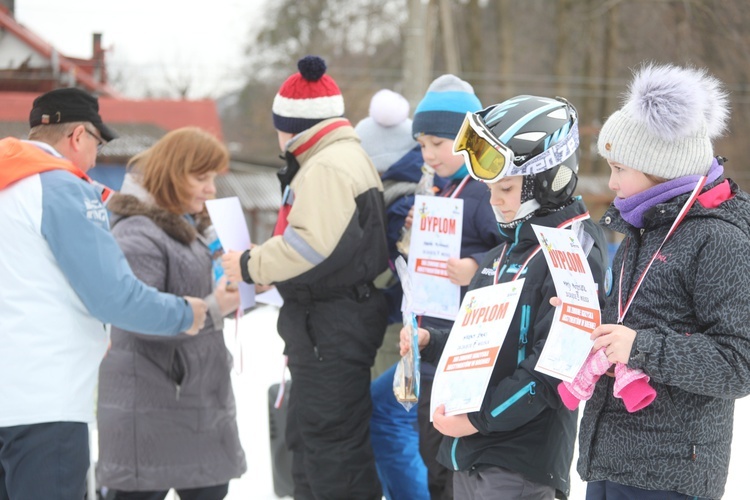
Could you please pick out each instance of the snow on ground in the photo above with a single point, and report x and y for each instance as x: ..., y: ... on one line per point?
x: 261, y: 363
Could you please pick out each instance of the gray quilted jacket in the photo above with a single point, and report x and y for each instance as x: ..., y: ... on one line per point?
x: 692, y: 317
x: 166, y: 412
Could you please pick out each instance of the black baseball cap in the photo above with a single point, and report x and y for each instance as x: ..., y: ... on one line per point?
x: 69, y: 105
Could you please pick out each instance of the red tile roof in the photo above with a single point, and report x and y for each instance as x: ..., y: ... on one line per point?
x: 167, y: 114
x: 15, y: 106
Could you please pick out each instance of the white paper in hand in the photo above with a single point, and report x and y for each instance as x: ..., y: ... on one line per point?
x: 229, y: 223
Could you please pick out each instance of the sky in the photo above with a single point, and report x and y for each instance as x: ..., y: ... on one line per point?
x: 153, y: 45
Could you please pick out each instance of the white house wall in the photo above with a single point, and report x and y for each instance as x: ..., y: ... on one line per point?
x: 14, y: 52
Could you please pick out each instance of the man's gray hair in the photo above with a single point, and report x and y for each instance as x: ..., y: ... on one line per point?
x: 53, y: 133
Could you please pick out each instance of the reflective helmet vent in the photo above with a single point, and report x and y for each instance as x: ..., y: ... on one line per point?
x: 559, y: 114
x: 562, y: 178
x: 531, y: 136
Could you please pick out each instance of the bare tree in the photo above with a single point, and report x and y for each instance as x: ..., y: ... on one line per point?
x: 415, y: 68
x: 562, y: 63
x: 584, y: 50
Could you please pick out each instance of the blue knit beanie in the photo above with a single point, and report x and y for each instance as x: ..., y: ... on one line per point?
x: 443, y: 108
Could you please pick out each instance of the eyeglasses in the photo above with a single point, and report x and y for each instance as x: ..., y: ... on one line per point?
x: 100, y: 143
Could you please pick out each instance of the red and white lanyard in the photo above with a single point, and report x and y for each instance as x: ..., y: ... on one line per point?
x: 459, y: 188
x: 497, y: 268
x: 622, y: 310
x: 538, y: 248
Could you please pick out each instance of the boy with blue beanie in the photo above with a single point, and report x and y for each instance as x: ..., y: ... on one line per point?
x: 437, y: 120
x: 386, y: 138
x: 443, y: 108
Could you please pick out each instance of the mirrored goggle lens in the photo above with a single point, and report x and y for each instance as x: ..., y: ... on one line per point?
x: 485, y: 162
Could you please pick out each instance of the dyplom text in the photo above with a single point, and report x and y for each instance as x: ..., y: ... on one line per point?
x: 485, y: 314
x: 441, y: 225
x: 567, y: 260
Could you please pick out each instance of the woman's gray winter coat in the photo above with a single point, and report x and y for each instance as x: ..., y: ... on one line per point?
x: 166, y: 412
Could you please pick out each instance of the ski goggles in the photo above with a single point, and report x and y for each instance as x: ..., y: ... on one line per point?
x: 488, y: 160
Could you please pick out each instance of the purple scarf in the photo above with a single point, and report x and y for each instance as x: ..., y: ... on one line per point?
x: 634, y: 207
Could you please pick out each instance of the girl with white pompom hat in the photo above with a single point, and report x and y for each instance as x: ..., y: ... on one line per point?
x: 676, y: 308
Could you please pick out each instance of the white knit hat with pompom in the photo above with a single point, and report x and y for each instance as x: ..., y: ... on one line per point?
x: 666, y: 125
x: 386, y: 133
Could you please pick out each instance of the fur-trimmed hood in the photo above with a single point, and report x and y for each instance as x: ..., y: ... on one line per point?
x: 133, y: 200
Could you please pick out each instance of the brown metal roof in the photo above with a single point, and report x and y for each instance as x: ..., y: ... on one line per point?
x: 256, y: 186
x: 19, y: 130
x: 133, y: 138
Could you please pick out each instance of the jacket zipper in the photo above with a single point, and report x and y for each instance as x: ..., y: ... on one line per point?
x: 177, y: 384
x: 524, y: 336
x: 453, y: 453
x: 311, y: 334
x: 527, y: 389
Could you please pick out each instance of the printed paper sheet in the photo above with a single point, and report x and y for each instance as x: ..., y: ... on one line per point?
x: 469, y: 357
x: 568, y: 343
x: 436, y: 236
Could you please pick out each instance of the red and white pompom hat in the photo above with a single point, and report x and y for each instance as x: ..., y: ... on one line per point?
x: 307, y: 98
